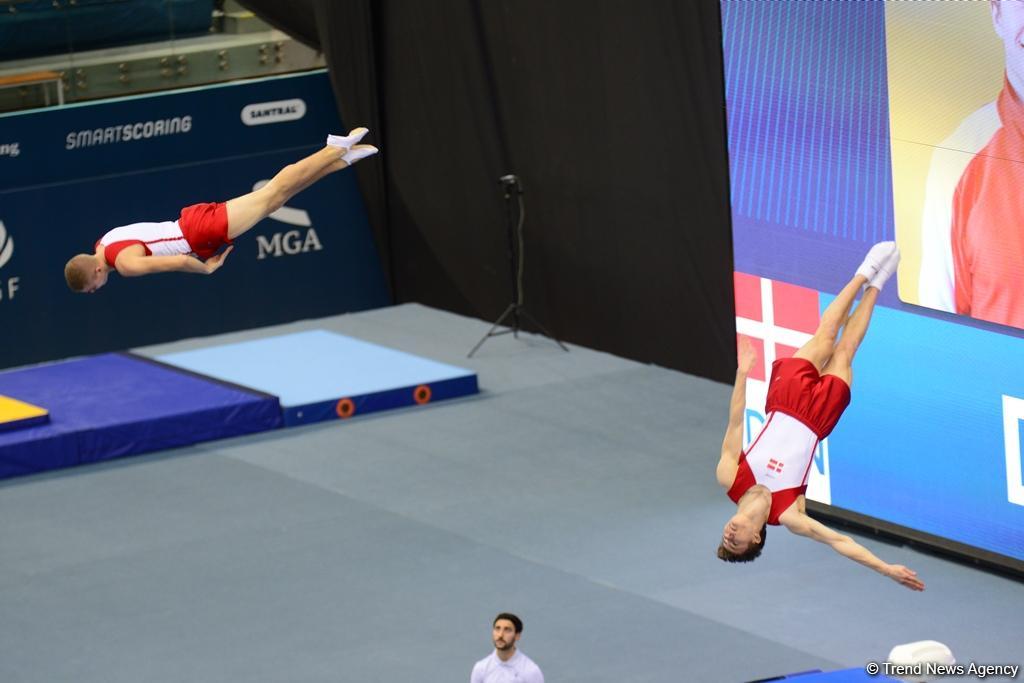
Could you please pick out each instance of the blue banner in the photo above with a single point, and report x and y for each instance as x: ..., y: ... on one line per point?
x: 70, y: 174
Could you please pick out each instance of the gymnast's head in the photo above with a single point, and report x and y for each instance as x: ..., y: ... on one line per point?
x: 86, y: 273
x: 741, y: 540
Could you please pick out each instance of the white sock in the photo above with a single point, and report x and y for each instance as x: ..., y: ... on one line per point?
x: 876, y: 258
x: 347, y: 141
x: 886, y: 271
x: 358, y: 152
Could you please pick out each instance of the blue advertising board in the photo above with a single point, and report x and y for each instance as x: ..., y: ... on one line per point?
x: 70, y: 174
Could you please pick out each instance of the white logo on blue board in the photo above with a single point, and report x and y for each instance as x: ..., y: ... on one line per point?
x: 287, y: 214
x: 6, y: 245
x: 1013, y: 413
x: 291, y: 242
x: 755, y: 421
x: 10, y: 149
x: 273, y: 112
x: 6, y: 252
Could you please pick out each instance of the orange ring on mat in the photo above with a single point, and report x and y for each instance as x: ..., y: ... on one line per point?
x: 422, y: 394
x: 345, y: 408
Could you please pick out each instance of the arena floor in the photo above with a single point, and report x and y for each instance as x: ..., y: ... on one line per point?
x: 577, y: 490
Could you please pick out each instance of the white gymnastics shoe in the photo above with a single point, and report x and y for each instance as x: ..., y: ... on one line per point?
x: 886, y: 271
x: 358, y: 152
x: 347, y: 141
x: 875, y: 259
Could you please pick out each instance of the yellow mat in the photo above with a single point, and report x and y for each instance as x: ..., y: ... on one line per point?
x: 14, y: 413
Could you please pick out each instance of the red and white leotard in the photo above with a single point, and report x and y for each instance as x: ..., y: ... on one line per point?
x: 201, y: 229
x: 802, y: 408
x: 159, y: 239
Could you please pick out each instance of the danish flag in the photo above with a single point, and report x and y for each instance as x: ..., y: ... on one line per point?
x: 777, y: 317
x: 775, y: 466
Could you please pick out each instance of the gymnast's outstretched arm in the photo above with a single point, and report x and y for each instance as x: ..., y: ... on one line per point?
x: 799, y: 523
x: 134, y: 266
x: 732, y: 444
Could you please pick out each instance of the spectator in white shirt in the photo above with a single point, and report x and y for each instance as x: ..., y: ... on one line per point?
x: 506, y: 664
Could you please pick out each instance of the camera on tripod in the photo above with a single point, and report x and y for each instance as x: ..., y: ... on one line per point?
x: 510, y: 183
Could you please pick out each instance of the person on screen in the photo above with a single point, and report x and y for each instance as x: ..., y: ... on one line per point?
x: 972, y: 232
x: 807, y: 394
x: 506, y: 663
x: 191, y: 243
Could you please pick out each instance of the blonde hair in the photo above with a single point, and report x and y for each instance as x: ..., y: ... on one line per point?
x: 78, y: 272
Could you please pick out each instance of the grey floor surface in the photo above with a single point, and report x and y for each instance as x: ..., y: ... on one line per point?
x: 577, y: 490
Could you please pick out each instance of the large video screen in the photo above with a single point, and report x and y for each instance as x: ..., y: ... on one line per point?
x: 850, y: 123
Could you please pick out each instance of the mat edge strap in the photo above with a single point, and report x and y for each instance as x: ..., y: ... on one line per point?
x: 345, y: 407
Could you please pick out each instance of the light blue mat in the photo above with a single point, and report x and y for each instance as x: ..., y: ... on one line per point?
x: 312, y: 372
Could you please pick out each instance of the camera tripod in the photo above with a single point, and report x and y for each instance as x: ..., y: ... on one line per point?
x: 515, y: 310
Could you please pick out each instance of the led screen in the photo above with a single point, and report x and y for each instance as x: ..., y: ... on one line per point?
x: 855, y: 122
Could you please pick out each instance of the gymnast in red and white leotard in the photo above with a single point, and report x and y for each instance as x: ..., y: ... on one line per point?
x: 807, y: 395
x: 192, y: 243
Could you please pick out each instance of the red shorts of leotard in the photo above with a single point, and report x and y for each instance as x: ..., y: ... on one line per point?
x: 205, y: 226
x: 798, y: 390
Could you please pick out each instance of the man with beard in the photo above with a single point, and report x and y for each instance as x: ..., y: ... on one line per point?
x: 506, y: 663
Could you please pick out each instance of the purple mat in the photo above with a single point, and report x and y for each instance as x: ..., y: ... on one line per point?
x: 115, y: 405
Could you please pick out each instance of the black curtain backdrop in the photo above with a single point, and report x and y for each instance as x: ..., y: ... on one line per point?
x: 345, y: 31
x: 613, y: 117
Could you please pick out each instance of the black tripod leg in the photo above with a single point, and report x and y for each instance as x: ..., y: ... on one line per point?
x: 531, y: 319
x: 511, y: 308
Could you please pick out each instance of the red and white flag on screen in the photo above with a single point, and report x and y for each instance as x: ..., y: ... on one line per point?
x: 777, y: 317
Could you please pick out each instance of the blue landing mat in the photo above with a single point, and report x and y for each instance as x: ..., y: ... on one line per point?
x: 320, y: 375
x: 115, y: 405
